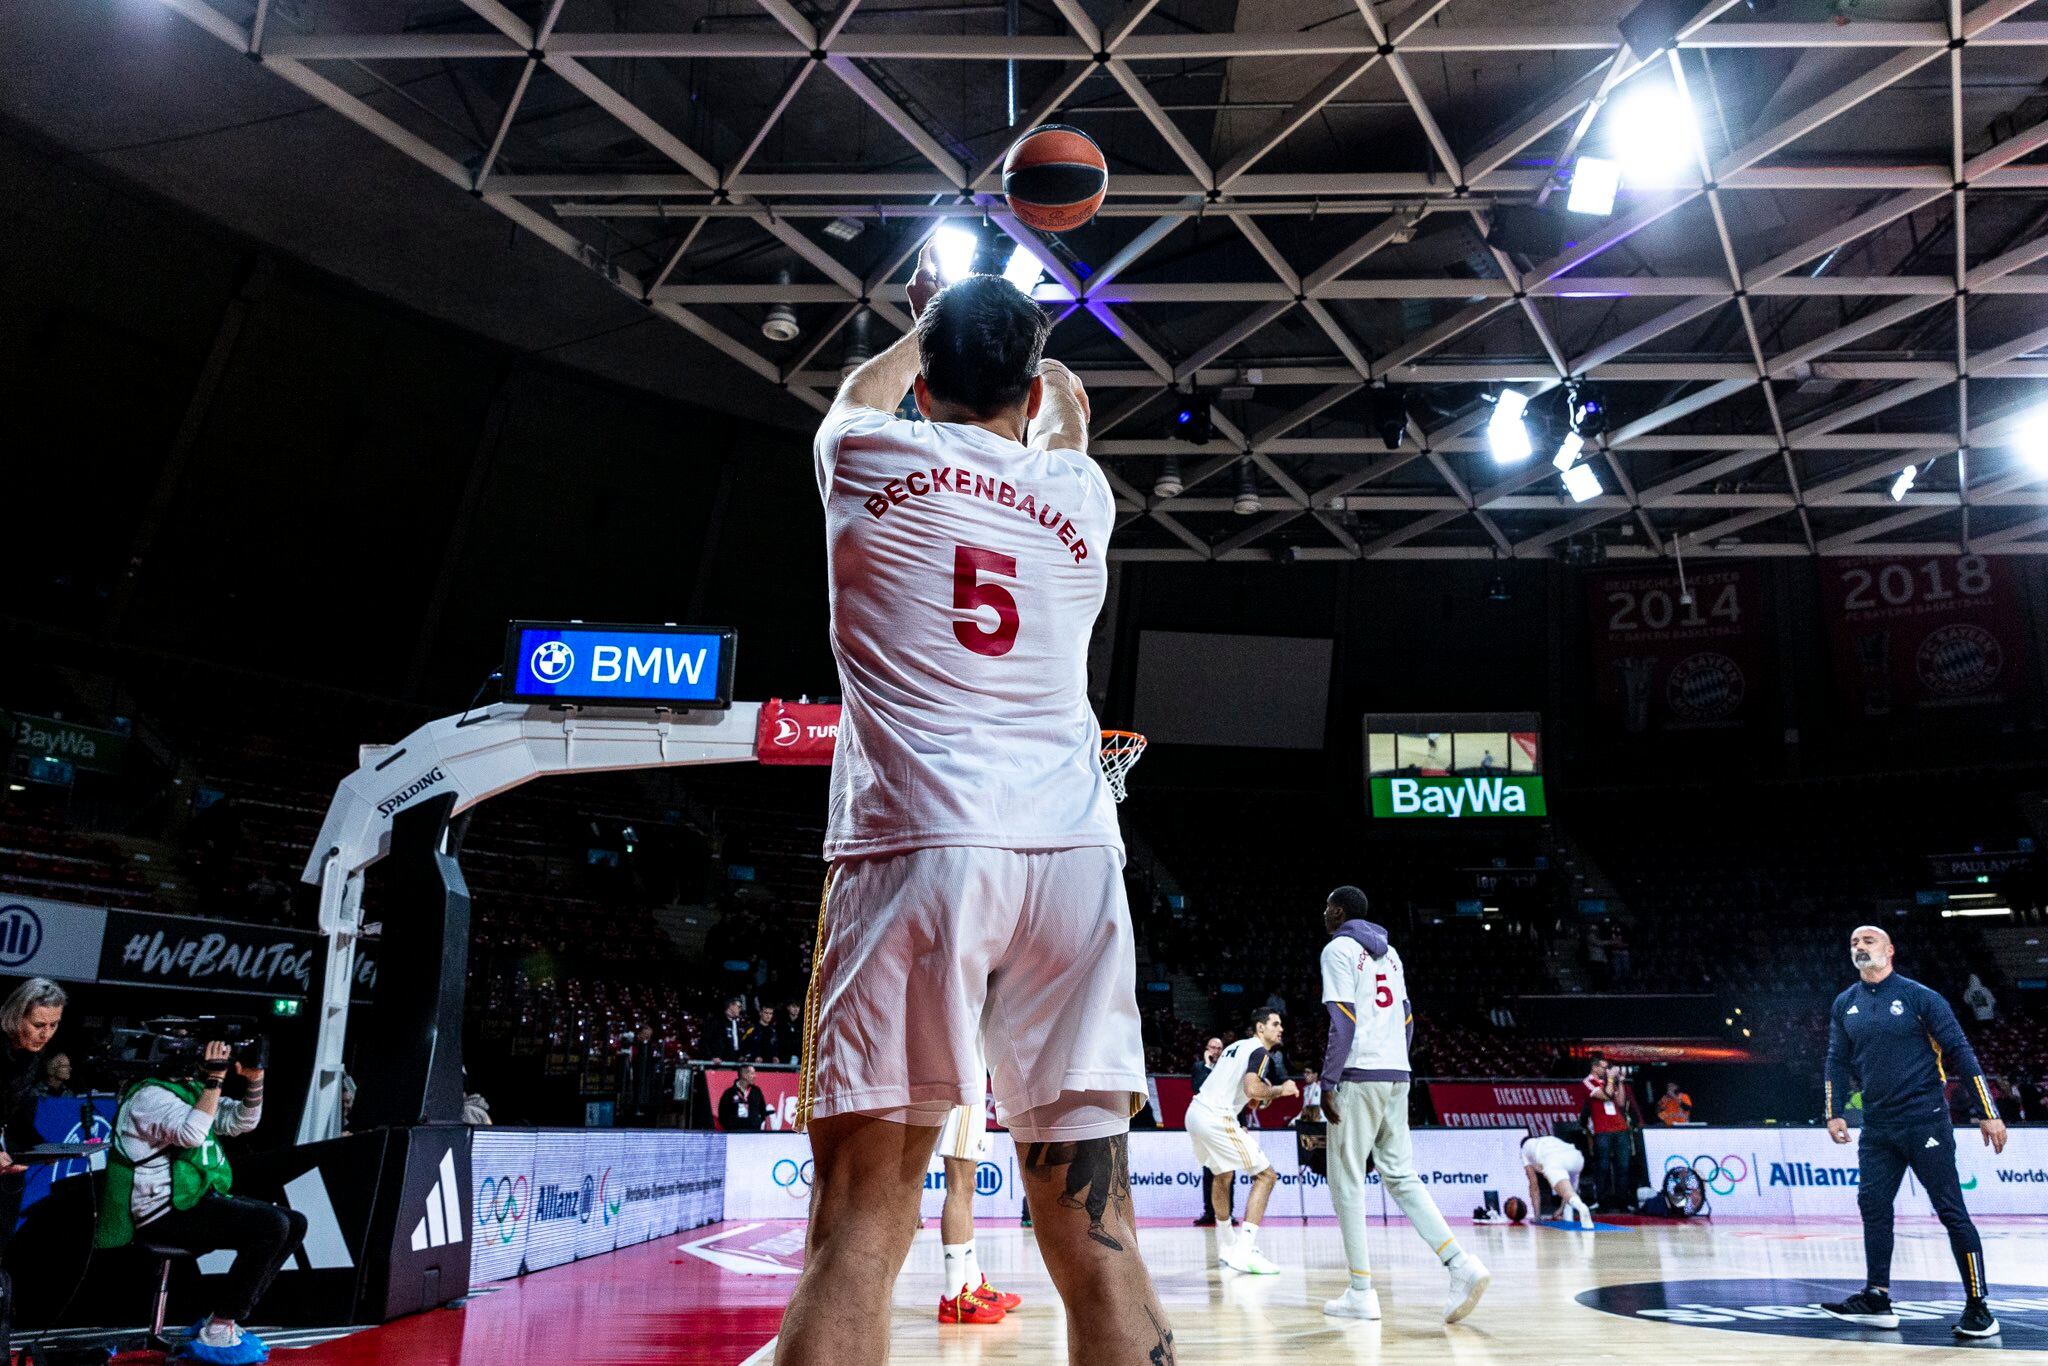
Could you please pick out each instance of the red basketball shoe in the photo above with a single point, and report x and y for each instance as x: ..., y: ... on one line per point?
x: 1001, y: 1299
x: 968, y: 1307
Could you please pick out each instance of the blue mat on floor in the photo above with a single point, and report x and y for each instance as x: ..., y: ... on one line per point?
x: 1563, y: 1226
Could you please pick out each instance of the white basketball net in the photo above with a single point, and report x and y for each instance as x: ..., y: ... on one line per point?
x: 1120, y: 751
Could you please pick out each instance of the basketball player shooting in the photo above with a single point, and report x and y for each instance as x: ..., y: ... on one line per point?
x: 976, y: 895
x: 1365, y: 1103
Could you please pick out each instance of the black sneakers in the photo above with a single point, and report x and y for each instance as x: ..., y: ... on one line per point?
x: 1976, y: 1321
x: 1873, y: 1309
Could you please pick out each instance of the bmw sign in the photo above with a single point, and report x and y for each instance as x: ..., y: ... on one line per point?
x: 608, y: 665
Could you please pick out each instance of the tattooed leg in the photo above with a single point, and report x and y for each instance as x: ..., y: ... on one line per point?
x: 1080, y: 1195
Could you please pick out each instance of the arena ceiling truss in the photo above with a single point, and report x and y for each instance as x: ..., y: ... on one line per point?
x: 1301, y: 194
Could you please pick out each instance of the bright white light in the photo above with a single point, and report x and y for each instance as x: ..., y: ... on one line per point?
x: 2032, y: 438
x: 1650, y: 130
x: 1582, y: 483
x: 1023, y: 270
x: 1505, y: 433
x: 1903, y: 485
x: 1594, y: 180
x: 1568, y: 450
x: 955, y: 247
x: 1955, y: 911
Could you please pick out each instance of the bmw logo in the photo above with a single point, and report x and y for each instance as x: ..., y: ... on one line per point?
x: 552, y: 660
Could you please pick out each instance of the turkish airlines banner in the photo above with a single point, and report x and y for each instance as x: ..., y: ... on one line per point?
x: 797, y: 732
x: 1538, y: 1106
x: 1924, y: 632
x: 1666, y: 664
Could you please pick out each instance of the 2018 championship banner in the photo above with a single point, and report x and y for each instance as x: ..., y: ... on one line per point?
x: 768, y: 1176
x: 1933, y: 631
x: 1787, y: 1173
x: 547, y: 1196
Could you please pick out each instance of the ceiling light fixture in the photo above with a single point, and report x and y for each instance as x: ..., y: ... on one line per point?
x: 1582, y: 483
x: 1651, y: 132
x: 1594, y: 181
x: 1246, y: 504
x: 954, y: 247
x: 1168, y: 484
x: 1507, y: 436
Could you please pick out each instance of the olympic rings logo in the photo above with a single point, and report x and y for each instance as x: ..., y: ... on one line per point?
x: 1720, y: 1175
x: 501, y: 1200
x: 792, y: 1176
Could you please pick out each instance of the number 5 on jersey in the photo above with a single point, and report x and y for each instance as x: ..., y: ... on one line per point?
x: 1382, y: 994
x: 972, y: 568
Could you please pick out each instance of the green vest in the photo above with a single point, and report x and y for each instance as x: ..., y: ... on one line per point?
x: 194, y: 1172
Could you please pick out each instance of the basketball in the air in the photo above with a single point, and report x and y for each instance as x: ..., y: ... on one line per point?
x: 1515, y: 1210
x: 1055, y: 177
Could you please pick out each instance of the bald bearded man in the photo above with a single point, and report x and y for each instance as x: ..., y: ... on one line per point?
x: 1901, y: 1041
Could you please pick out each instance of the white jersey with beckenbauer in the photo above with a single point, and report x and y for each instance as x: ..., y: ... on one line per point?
x: 966, y: 574
x: 1223, y: 1089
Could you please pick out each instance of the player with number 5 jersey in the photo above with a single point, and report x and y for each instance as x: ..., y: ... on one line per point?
x: 975, y: 904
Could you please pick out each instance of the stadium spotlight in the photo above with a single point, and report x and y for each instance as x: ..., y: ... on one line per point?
x: 1650, y: 130
x: 1386, y: 412
x: 1507, y: 436
x: 1246, y: 504
x: 955, y: 246
x: 1190, y: 419
x: 1903, y: 485
x: 1582, y: 483
x: 2032, y: 439
x: 1594, y: 181
x: 1168, y: 484
x: 1567, y: 451
x: 1585, y: 407
x: 1023, y: 270
x: 780, y: 325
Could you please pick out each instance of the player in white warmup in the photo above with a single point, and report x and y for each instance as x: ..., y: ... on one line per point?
x: 1365, y: 1103
x: 1557, y: 1165
x: 975, y: 906
x: 1223, y: 1147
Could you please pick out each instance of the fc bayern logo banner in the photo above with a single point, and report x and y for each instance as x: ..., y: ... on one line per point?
x: 797, y: 732
x: 1924, y: 633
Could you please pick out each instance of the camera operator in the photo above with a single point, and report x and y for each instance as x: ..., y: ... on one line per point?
x: 168, y: 1181
x: 1608, y: 1112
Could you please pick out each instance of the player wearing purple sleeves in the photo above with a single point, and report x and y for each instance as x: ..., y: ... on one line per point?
x: 1365, y: 1102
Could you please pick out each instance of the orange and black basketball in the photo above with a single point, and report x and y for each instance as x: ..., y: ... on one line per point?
x: 1515, y: 1210
x: 1055, y: 177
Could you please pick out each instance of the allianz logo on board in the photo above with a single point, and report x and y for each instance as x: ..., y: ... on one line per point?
x: 1810, y: 1174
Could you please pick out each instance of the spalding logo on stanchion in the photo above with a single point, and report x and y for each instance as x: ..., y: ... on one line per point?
x: 1791, y: 1309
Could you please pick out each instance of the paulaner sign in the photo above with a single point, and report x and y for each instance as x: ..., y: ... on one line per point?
x: 1454, y: 798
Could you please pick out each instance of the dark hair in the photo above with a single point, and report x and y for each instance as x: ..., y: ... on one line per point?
x: 979, y: 342
x: 1262, y: 1014
x: 1350, y: 900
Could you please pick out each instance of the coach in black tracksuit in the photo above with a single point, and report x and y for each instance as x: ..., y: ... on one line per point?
x: 1902, y: 1042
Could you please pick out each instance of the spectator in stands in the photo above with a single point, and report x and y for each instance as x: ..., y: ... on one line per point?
x: 28, y: 1021
x: 793, y: 1024
x: 56, y: 1078
x: 743, y: 1109
x: 1204, y: 1065
x: 476, y: 1111
x: 1617, y: 955
x: 730, y: 1041
x: 348, y: 1099
x: 644, y: 1092
x: 1674, y: 1106
x: 1979, y: 999
x: 764, y: 1041
x: 2030, y: 1097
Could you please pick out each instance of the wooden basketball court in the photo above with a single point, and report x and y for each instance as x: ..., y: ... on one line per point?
x: 1694, y: 1293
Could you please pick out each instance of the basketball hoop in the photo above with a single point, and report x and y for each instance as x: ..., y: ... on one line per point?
x: 1120, y: 751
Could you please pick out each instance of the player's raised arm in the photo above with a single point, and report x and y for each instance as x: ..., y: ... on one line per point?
x: 881, y: 383
x: 1062, y: 421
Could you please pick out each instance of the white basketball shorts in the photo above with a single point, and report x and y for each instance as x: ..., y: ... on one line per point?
x: 966, y: 1133
x: 1221, y: 1143
x: 932, y: 959
x: 1567, y: 1170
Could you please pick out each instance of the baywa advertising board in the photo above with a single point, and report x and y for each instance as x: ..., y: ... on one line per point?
x: 768, y: 1176
x: 1786, y: 1173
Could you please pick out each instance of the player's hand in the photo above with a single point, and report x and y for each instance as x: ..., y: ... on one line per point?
x: 1994, y: 1134
x: 1838, y: 1130
x: 924, y: 282
x: 8, y: 1166
x: 1329, y: 1104
x: 1056, y: 372
x: 1288, y: 1088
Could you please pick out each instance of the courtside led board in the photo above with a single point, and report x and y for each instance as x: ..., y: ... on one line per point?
x: 1461, y: 766
x: 605, y: 664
